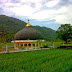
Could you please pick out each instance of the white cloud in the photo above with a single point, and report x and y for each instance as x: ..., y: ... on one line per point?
x: 48, y: 13
x: 42, y: 14
x: 20, y: 9
x: 38, y: 5
x: 62, y: 19
x: 23, y: 10
x: 70, y: 0
x: 52, y: 3
x: 66, y: 16
x: 61, y: 15
x: 34, y: 1
x: 4, y: 1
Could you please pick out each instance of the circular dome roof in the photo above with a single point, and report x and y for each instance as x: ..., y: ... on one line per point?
x: 28, y: 33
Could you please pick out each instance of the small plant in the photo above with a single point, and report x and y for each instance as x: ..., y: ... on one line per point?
x: 41, y: 47
x: 21, y: 47
x: 45, y: 46
x: 69, y: 40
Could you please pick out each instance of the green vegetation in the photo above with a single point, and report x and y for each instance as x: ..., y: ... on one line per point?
x: 54, y: 60
x: 47, y: 33
x: 44, y: 46
x: 56, y: 44
x: 21, y: 47
x: 4, y: 44
x: 9, y: 26
x: 64, y: 32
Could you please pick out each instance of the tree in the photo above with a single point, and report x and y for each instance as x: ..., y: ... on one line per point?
x: 64, y: 32
x: 2, y: 35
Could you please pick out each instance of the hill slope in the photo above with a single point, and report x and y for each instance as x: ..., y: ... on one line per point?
x: 13, y: 25
x: 46, y: 32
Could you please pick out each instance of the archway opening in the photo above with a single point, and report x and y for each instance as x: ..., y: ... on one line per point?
x: 29, y: 45
x: 33, y: 45
x: 25, y: 45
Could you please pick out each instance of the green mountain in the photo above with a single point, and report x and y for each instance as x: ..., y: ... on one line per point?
x: 10, y: 26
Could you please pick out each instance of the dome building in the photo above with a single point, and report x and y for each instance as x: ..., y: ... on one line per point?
x: 28, y: 38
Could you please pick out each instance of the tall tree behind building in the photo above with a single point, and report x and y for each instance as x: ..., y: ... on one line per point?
x: 64, y: 32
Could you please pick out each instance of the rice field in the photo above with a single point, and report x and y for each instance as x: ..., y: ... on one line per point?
x: 53, y: 60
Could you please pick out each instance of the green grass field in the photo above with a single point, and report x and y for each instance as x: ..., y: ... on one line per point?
x: 9, y: 44
x: 53, y: 60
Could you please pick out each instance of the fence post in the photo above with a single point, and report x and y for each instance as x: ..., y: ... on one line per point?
x: 6, y: 48
x: 35, y: 46
x: 53, y: 45
x: 63, y: 44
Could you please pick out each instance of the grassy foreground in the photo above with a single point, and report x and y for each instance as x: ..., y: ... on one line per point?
x: 54, y: 60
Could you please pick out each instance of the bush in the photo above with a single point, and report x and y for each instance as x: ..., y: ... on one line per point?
x: 21, y: 47
x: 41, y: 47
x: 45, y: 46
x: 69, y: 40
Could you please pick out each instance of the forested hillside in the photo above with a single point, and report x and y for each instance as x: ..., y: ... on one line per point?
x: 9, y: 26
x: 47, y: 33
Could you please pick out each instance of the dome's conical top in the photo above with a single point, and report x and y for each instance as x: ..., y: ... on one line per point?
x: 28, y: 24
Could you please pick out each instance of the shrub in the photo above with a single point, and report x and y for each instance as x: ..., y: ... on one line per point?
x: 21, y: 47
x: 41, y: 47
x: 69, y: 40
x: 45, y: 46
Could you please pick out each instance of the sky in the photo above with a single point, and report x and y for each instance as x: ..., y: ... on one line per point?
x: 47, y: 13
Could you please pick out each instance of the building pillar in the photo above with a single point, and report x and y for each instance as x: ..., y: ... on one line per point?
x: 35, y: 45
x: 16, y: 45
x: 19, y: 44
x: 38, y: 44
x: 31, y: 45
x: 23, y: 45
x: 41, y: 44
x: 27, y: 44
